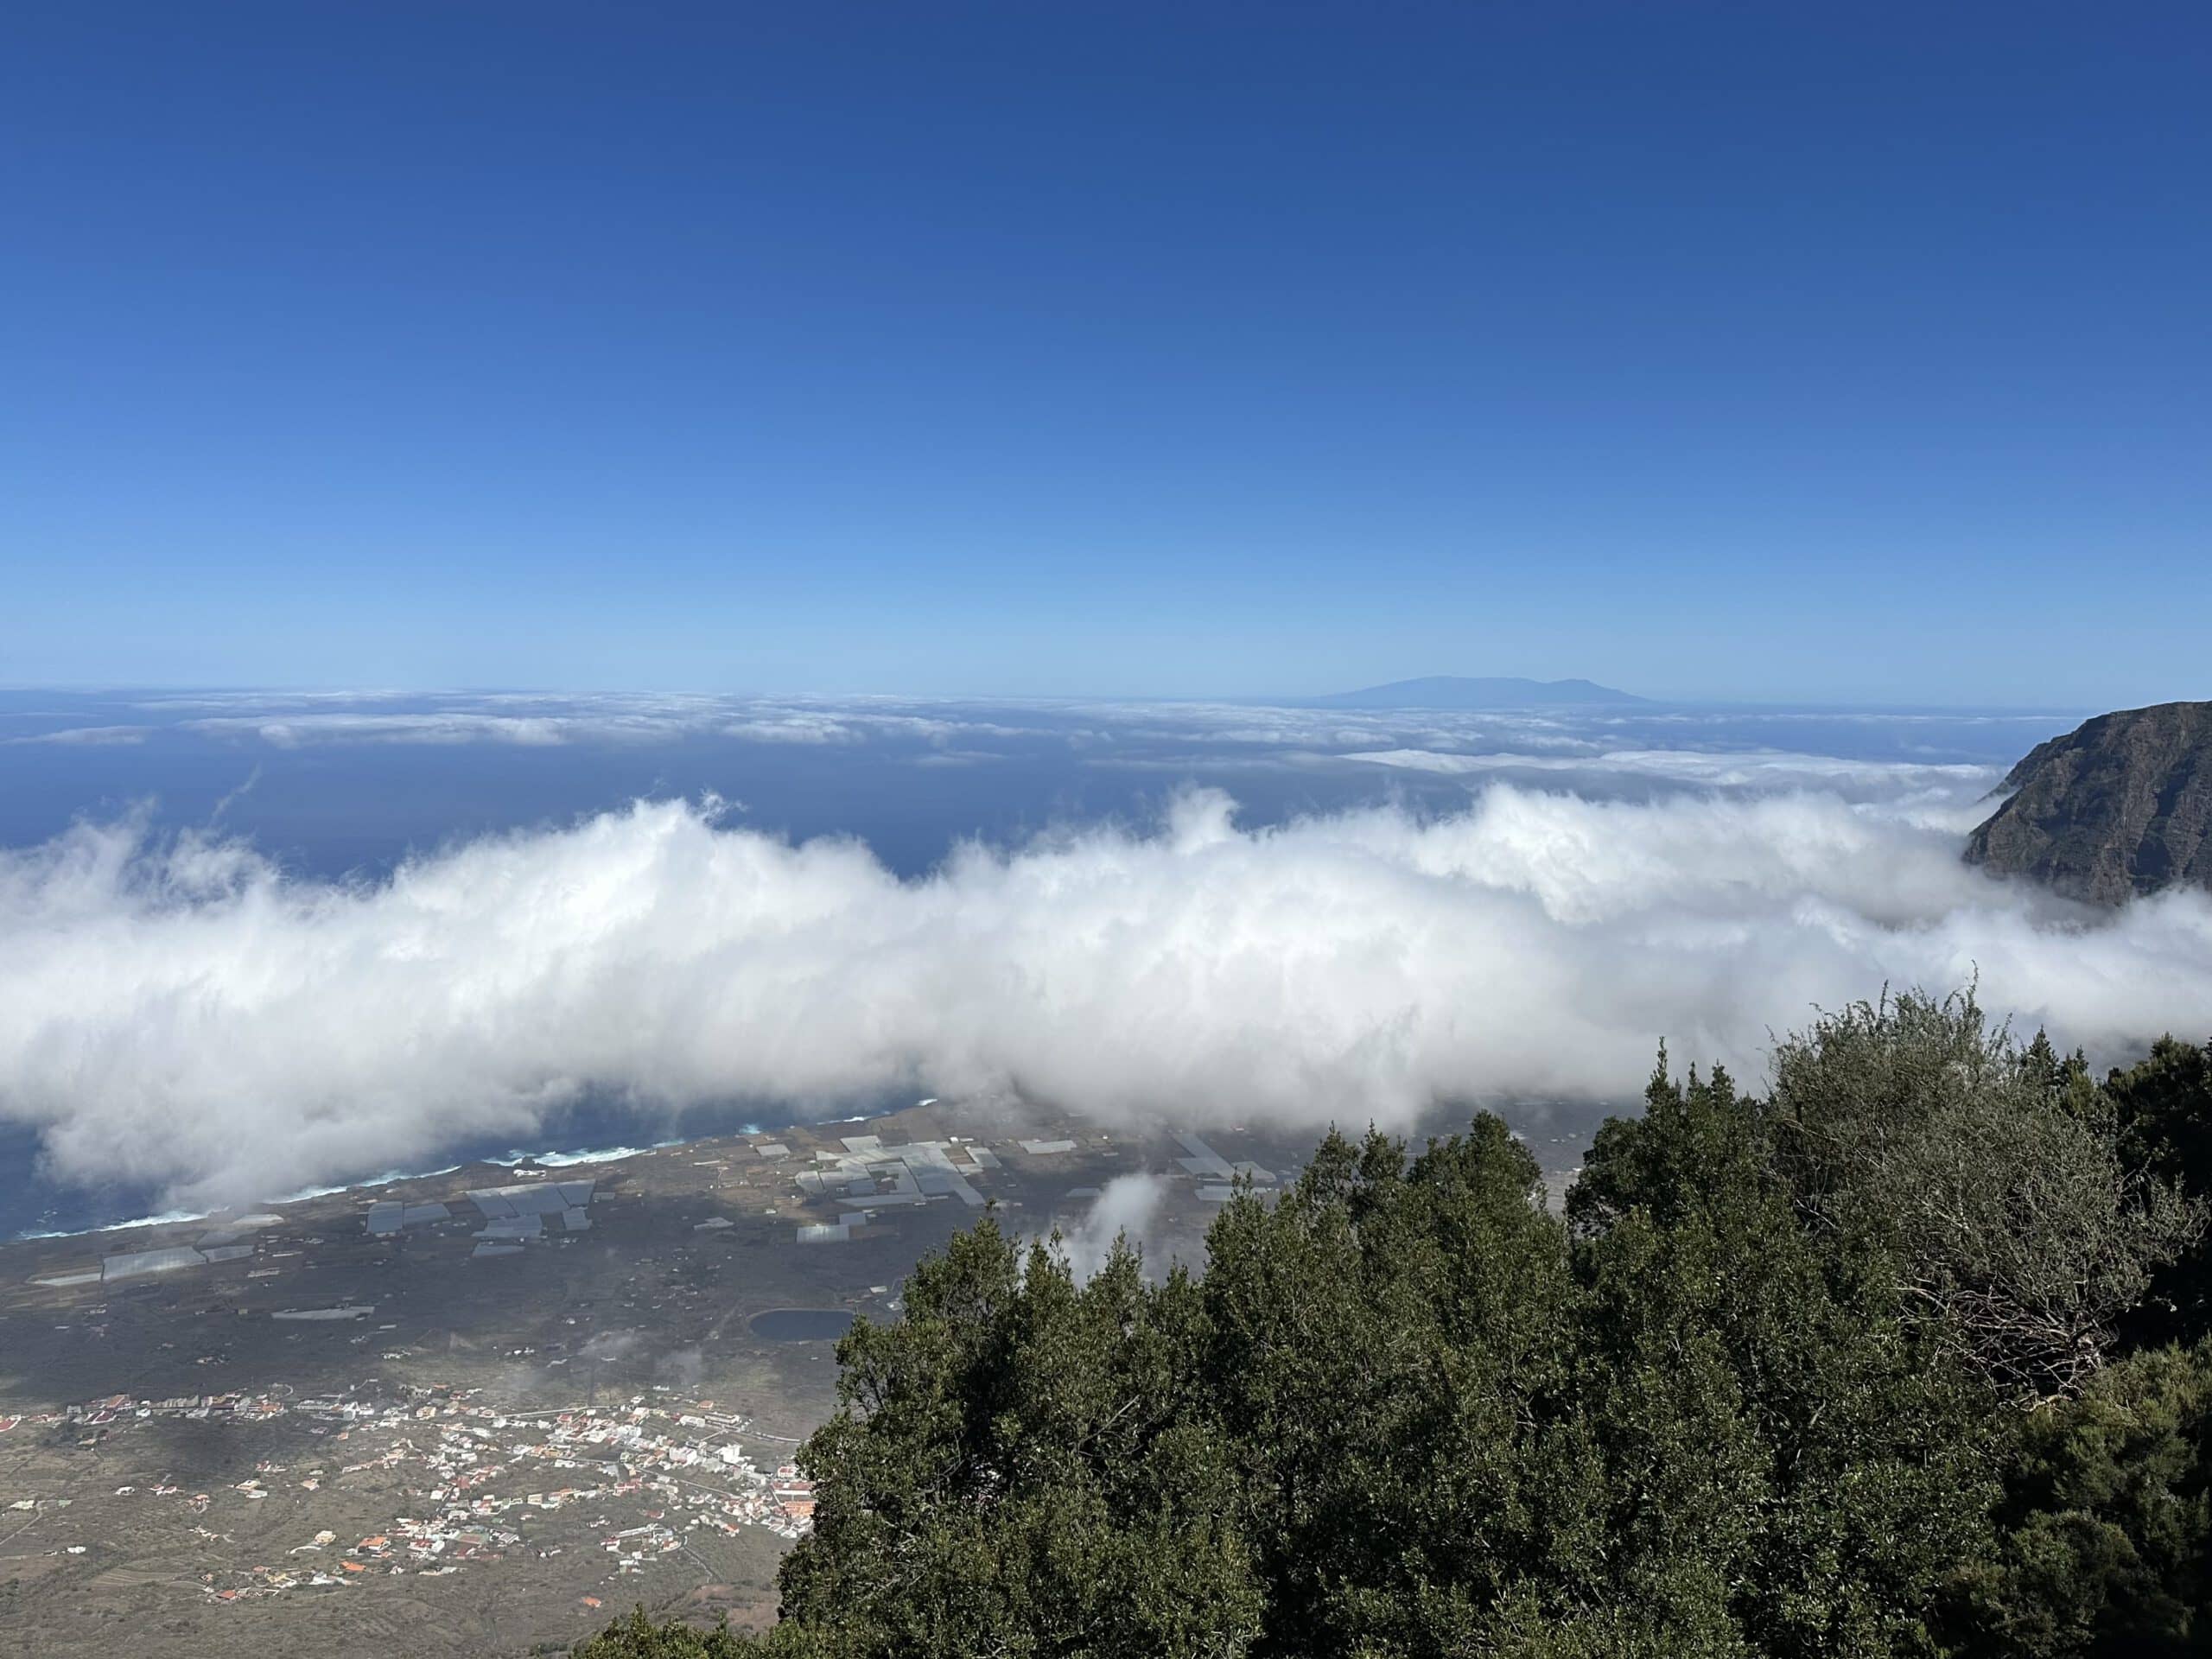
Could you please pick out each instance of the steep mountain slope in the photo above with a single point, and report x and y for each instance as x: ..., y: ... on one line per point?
x: 2120, y: 807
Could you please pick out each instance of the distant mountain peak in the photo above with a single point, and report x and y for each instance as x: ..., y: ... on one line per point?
x: 2118, y: 807
x: 1455, y: 691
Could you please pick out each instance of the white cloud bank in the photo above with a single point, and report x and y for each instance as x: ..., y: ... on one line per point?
x: 185, y: 1012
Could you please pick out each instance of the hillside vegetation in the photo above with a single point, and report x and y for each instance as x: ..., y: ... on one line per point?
x: 1906, y: 1354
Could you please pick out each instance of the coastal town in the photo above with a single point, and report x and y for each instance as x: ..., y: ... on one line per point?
x: 475, y: 1484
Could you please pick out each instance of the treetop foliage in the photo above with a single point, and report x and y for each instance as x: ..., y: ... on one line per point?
x: 1879, y: 1362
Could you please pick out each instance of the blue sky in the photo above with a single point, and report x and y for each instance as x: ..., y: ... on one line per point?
x: 1839, y: 352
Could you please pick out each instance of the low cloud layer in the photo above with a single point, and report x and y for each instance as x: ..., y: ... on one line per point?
x: 1768, y: 771
x: 1111, y: 733
x: 180, y: 1011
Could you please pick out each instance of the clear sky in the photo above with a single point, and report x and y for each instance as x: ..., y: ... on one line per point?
x: 1765, y: 351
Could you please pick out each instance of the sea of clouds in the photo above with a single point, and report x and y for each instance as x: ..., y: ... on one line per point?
x: 179, y: 1010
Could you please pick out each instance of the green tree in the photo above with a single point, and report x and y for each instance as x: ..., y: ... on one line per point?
x: 640, y: 1638
x: 2108, y: 1522
x: 1992, y: 1175
x: 2163, y: 1106
x: 1390, y: 1347
x: 1791, y: 1466
x: 1023, y: 1464
x: 1831, y: 1372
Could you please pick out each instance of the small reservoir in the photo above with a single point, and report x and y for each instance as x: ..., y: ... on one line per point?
x: 800, y: 1324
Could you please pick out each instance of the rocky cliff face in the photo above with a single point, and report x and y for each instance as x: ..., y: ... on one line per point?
x: 2122, y: 806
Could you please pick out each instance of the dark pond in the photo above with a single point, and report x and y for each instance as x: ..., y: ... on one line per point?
x: 800, y: 1324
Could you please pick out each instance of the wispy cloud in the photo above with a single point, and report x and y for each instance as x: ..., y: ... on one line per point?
x: 89, y: 735
x: 1767, y: 771
x: 541, y: 722
x: 1124, y: 1209
x: 1763, y: 748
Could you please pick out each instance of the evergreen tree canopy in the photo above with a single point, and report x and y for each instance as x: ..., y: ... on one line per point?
x: 1857, y: 1367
